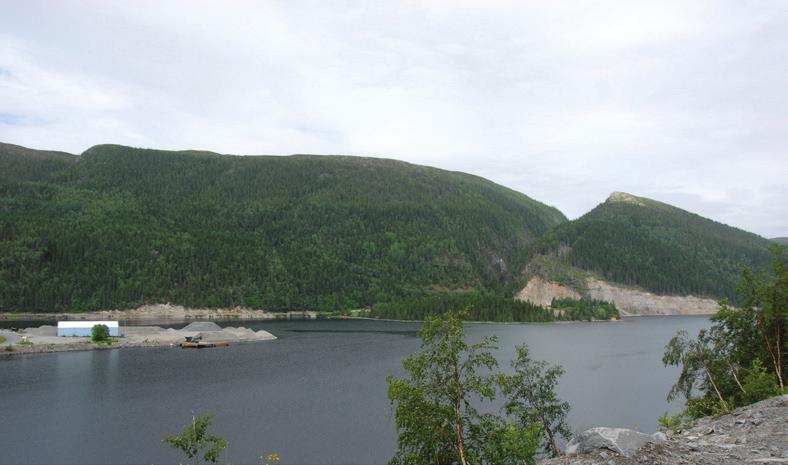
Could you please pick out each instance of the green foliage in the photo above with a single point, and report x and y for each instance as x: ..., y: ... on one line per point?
x: 584, y: 309
x: 269, y: 459
x: 120, y: 227
x: 697, y: 407
x: 640, y: 242
x: 194, y: 438
x: 2, y: 339
x: 759, y: 384
x: 508, y: 441
x: 724, y: 363
x: 674, y: 423
x: 436, y: 422
x: 436, y: 411
x: 9, y: 348
x: 481, y: 306
x: 698, y: 362
x: 99, y: 333
x: 488, y: 306
x: 531, y: 397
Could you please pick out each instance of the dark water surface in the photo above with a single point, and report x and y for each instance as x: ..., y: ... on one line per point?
x: 317, y: 395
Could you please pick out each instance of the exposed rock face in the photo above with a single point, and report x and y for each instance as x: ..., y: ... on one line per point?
x: 754, y: 434
x: 636, y: 302
x: 541, y: 292
x: 624, y: 198
x: 629, y: 302
x: 620, y: 440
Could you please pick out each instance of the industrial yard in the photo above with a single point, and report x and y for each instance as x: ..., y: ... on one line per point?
x: 45, y: 338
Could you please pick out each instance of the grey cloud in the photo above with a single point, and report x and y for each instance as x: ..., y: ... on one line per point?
x: 680, y: 101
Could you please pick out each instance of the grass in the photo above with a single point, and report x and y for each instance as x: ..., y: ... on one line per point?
x: 675, y: 423
x: 2, y: 339
x: 108, y: 341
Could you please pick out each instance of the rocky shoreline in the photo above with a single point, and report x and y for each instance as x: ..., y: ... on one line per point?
x: 754, y: 434
x: 159, y: 312
x: 44, y: 339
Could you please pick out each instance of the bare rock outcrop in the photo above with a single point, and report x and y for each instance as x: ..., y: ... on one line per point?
x: 637, y: 302
x: 540, y: 291
x: 755, y: 434
x: 630, y: 302
x: 622, y: 441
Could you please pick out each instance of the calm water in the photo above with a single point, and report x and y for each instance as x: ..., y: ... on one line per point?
x: 315, y: 396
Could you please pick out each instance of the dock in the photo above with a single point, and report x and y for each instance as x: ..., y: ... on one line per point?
x: 202, y: 345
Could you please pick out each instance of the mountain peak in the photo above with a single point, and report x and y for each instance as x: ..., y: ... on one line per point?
x: 623, y: 197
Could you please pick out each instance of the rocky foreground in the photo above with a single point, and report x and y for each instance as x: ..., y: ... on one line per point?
x: 755, y: 434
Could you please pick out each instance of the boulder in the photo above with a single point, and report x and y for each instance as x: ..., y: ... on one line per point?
x: 621, y: 440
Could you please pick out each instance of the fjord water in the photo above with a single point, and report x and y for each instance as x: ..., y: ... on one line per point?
x: 317, y: 395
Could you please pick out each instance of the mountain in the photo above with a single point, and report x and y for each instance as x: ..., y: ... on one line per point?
x: 780, y: 240
x: 116, y: 227
x: 650, y: 245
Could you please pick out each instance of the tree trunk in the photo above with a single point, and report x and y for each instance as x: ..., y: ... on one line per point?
x: 736, y: 378
x: 775, y: 358
x: 458, y: 413
x: 776, y: 352
x: 780, y: 357
x: 549, y: 431
x: 714, y: 385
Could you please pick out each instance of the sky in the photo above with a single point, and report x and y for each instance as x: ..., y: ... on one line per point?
x: 685, y: 102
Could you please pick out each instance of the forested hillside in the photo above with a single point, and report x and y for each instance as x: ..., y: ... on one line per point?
x: 117, y: 227
x: 649, y: 244
x: 780, y: 240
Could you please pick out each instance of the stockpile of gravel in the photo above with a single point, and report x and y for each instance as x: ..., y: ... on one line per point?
x: 46, y: 330
x: 201, y: 326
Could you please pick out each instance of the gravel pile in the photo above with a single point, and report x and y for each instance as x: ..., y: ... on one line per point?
x: 46, y: 330
x: 200, y: 326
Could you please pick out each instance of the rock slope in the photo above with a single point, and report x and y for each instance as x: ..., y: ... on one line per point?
x: 755, y: 434
x: 630, y: 302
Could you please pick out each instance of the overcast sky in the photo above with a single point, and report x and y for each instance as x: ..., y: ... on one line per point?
x: 685, y: 102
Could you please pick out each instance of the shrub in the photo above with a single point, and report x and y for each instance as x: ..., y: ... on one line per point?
x: 194, y: 438
x: 759, y: 384
x: 99, y: 333
x: 673, y: 423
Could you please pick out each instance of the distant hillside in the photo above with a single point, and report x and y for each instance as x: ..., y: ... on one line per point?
x: 118, y: 227
x: 780, y: 240
x: 641, y: 242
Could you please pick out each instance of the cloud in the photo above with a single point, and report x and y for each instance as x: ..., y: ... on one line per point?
x: 681, y: 101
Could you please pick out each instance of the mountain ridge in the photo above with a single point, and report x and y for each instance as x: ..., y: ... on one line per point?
x: 122, y: 227
x: 641, y: 242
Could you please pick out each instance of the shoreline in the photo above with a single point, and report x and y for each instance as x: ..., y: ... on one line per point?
x: 89, y: 346
x: 44, y: 339
x: 163, y: 312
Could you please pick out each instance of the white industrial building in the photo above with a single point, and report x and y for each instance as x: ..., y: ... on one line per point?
x: 84, y: 328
